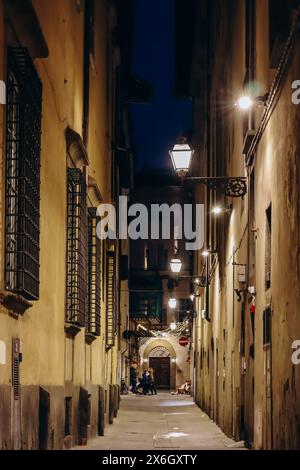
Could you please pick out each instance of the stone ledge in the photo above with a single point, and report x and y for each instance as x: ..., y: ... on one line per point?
x: 71, y: 329
x: 90, y: 338
x: 15, y: 304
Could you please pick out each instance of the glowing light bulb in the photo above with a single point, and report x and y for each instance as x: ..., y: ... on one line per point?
x: 172, y: 303
x: 217, y: 210
x: 245, y: 103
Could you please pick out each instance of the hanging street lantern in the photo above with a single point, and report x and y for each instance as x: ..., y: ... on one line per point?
x: 172, y: 303
x: 175, y: 265
x: 181, y: 156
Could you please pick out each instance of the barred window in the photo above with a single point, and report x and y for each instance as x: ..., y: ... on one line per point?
x: 77, y: 256
x: 185, y: 306
x: 94, y: 275
x: 110, y: 298
x: 146, y: 305
x: 22, y: 185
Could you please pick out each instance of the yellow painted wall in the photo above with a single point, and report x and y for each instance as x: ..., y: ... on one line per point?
x: 41, y: 329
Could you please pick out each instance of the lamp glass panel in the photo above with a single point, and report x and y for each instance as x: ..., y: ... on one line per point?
x: 181, y: 157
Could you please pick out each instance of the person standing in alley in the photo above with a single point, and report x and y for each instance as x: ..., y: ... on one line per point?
x: 146, y: 382
x: 133, y: 377
x: 152, y: 381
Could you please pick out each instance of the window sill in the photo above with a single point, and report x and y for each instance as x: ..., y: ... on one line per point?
x: 71, y: 329
x: 15, y: 304
x: 90, y: 338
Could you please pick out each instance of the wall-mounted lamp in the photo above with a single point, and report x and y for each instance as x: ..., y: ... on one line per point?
x: 175, y: 265
x: 173, y: 361
x: 181, y: 156
x: 173, y: 326
x: 217, y: 210
x: 246, y: 102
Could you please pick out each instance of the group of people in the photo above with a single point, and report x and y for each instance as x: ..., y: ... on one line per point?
x: 144, y: 385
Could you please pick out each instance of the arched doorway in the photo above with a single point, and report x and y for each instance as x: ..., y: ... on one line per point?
x: 161, y: 356
x: 159, y: 360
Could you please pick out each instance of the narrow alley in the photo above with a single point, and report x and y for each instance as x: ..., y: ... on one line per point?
x: 150, y: 228
x: 159, y: 422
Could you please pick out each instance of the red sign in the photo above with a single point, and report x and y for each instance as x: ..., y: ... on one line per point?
x: 183, y: 341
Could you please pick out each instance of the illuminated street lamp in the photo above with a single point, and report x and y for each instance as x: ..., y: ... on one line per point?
x: 172, y: 303
x: 181, y: 156
x: 217, y: 210
x: 245, y: 103
x: 175, y: 265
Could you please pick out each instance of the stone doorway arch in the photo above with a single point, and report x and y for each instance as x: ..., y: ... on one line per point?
x: 161, y: 348
x: 159, y: 351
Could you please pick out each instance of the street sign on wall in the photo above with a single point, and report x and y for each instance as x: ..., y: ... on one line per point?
x: 183, y: 341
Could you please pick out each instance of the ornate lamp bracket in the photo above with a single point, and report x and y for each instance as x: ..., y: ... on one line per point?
x: 230, y: 186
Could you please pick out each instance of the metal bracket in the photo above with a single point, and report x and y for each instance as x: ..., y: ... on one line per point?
x: 230, y: 186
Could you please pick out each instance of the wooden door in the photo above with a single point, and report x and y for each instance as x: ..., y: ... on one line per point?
x: 161, y: 367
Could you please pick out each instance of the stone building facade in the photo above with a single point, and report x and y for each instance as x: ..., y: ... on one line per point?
x: 60, y: 309
x: 247, y: 311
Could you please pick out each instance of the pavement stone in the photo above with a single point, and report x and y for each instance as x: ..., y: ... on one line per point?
x: 159, y: 422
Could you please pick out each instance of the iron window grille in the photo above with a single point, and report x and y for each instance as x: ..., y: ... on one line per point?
x: 94, y: 275
x: 110, y: 298
x: 185, y: 307
x: 22, y: 184
x: 77, y: 253
x: 146, y: 305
